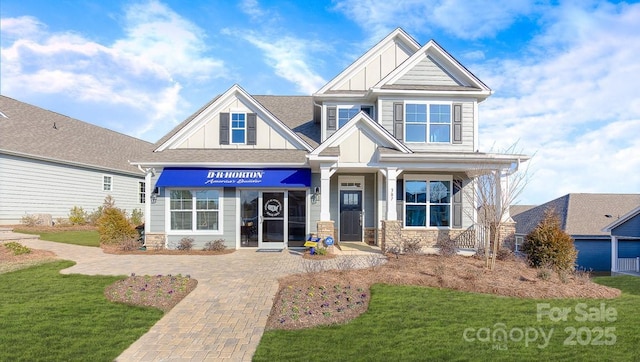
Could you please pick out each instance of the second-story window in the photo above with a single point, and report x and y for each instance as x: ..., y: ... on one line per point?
x: 238, y: 128
x: 346, y: 113
x: 427, y: 123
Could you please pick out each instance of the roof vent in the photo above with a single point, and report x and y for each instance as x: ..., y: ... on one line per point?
x: 608, y: 216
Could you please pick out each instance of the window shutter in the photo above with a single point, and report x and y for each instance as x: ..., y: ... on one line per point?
x: 457, y: 123
x: 224, y: 128
x: 331, y: 118
x: 457, y: 204
x: 251, y: 128
x: 398, y: 121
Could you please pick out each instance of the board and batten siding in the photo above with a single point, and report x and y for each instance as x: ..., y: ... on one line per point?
x: 468, y: 119
x: 29, y: 186
x: 208, y: 135
x: 426, y: 72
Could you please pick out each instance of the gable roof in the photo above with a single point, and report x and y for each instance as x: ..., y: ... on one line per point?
x: 433, y: 52
x: 383, y: 137
x: 194, y: 121
x: 580, y: 214
x: 622, y: 219
x: 398, y: 34
x: 33, y: 132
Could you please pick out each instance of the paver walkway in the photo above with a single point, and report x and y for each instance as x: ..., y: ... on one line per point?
x: 223, y: 318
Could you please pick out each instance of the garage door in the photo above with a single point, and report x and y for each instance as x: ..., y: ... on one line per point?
x: 594, y: 254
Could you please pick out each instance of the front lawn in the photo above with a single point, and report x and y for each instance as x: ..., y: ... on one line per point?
x: 47, y: 316
x: 412, y: 323
x: 76, y: 237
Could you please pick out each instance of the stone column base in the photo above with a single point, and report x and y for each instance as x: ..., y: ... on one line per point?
x: 154, y: 241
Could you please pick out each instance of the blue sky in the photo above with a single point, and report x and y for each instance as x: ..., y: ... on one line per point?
x: 565, y: 74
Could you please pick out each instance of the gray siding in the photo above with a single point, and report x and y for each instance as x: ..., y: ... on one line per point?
x: 157, y: 222
x: 468, y: 119
x: 427, y: 73
x: 29, y: 186
x: 630, y: 227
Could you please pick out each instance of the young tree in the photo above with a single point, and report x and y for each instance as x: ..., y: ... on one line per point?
x: 496, y: 189
x: 548, y: 244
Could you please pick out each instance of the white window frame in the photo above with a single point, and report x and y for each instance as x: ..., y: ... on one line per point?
x: 194, y: 213
x: 231, y: 128
x: 107, y: 186
x: 359, y: 106
x: 427, y: 179
x: 428, y: 120
x: 519, y: 240
x: 142, y: 192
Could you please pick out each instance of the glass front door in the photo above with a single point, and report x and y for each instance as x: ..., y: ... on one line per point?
x: 273, y: 219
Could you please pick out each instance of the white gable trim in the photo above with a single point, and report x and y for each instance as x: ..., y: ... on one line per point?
x: 442, y: 58
x: 381, y: 135
x: 221, y: 103
x: 409, y: 43
x: 624, y: 218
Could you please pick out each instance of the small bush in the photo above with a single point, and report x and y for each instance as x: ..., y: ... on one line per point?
x: 185, y: 244
x: 447, y: 247
x: 215, y: 245
x: 61, y: 222
x: 505, y: 254
x: 77, y: 216
x: 137, y: 217
x: 113, y: 225
x: 582, y: 275
x: 321, y: 251
x: 17, y: 248
x: 129, y: 244
x: 549, y: 245
x: 412, y: 247
x: 30, y: 220
x: 545, y: 273
x: 92, y: 218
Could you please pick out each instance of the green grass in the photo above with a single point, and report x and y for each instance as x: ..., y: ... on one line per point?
x: 76, y: 237
x: 419, y: 323
x: 47, y: 316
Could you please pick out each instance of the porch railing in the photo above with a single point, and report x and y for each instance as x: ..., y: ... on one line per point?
x: 472, y: 238
x: 629, y: 264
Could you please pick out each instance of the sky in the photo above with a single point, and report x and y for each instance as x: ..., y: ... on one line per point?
x: 565, y: 74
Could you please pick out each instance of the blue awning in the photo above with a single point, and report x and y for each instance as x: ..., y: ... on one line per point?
x: 205, y: 177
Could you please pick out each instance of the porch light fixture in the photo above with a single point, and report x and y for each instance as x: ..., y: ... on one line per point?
x: 154, y: 195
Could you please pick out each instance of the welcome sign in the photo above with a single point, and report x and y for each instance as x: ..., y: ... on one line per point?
x: 204, y: 177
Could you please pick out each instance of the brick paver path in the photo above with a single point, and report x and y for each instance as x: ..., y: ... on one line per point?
x: 223, y: 318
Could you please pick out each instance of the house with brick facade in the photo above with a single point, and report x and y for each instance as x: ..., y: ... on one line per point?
x: 387, y: 150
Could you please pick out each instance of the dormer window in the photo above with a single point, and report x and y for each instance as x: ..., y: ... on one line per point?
x: 428, y: 122
x: 338, y: 116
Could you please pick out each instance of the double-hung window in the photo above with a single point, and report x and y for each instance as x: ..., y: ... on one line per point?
x: 142, y: 192
x: 428, y: 122
x: 194, y: 210
x: 107, y: 183
x: 427, y: 202
x: 238, y: 128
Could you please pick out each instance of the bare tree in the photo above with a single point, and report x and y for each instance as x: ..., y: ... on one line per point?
x: 497, y: 187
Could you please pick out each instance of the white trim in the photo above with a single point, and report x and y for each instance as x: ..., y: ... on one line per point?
x: 428, y: 105
x: 622, y: 219
x: 427, y: 178
x: 104, y: 183
x: 244, y: 129
x: 194, y: 212
x: 517, y: 245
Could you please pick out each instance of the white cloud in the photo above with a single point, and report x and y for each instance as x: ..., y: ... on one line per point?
x: 574, y: 102
x: 466, y: 19
x: 143, y: 71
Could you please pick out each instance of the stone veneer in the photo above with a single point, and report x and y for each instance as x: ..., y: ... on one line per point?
x: 154, y: 241
x: 326, y: 228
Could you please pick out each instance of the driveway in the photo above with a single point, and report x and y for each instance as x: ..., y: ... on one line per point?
x: 223, y: 318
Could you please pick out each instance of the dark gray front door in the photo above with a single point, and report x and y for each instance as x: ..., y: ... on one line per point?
x: 350, y: 215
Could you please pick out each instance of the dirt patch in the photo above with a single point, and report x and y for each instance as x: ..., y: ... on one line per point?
x: 159, y: 291
x: 10, y: 262
x: 294, y: 307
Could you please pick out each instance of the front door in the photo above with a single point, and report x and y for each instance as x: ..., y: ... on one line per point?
x: 350, y: 215
x: 272, y: 220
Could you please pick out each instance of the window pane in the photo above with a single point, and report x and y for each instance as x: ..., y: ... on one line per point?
x: 416, y: 215
x: 297, y: 218
x: 207, y: 200
x: 416, y: 191
x: 439, y: 192
x: 416, y: 113
x: 181, y: 220
x: 439, y: 215
x: 440, y: 133
x: 345, y: 115
x: 180, y: 200
x: 237, y: 136
x: 440, y: 113
x: 207, y: 220
x: 416, y: 133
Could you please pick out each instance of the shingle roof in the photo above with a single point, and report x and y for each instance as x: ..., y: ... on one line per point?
x: 580, y: 214
x: 230, y: 156
x: 29, y: 131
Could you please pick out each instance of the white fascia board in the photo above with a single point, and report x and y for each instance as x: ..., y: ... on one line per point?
x: 479, y: 159
x: 364, y: 59
x: 480, y: 95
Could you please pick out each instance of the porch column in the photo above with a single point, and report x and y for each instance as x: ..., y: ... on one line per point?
x: 502, y: 187
x: 392, y: 177
x: 614, y: 253
x: 325, y: 192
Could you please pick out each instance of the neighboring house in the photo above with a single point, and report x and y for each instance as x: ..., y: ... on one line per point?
x: 387, y: 150
x: 584, y: 216
x: 50, y: 163
x: 625, y: 242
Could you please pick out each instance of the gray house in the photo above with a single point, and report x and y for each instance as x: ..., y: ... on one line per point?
x: 585, y: 217
x: 50, y: 162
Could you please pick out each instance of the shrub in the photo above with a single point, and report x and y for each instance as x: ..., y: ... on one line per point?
x: 447, y: 247
x: 17, y: 248
x: 113, y: 225
x: 412, y: 247
x: 545, y: 273
x: 549, y: 244
x: 30, y: 220
x: 93, y: 217
x: 129, y: 244
x: 215, y: 245
x: 185, y: 244
x: 137, y: 217
x: 77, y: 216
x: 505, y: 254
